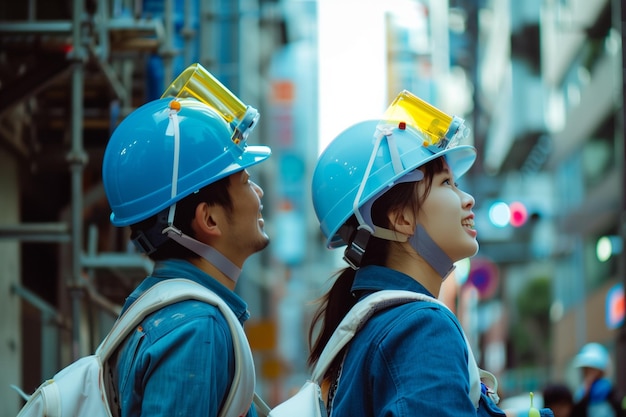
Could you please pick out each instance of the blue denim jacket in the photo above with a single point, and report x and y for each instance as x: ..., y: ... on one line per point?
x: 407, y: 360
x: 180, y: 360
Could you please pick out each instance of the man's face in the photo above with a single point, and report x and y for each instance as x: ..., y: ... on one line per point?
x: 245, y: 232
x: 591, y: 374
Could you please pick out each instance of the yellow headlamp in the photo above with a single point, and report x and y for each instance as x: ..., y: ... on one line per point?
x: 198, y: 83
x: 438, y: 128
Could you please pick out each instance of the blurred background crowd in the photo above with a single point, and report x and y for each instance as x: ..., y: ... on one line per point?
x: 540, y: 83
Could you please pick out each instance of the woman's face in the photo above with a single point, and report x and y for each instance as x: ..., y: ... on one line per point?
x: 447, y: 216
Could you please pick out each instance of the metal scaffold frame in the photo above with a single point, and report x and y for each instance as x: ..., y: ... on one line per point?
x: 57, y: 120
x: 90, y: 36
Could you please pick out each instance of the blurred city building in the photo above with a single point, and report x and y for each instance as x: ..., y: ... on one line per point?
x: 539, y: 82
x: 551, y: 109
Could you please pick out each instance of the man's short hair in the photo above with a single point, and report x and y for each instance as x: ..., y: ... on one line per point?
x: 213, y: 194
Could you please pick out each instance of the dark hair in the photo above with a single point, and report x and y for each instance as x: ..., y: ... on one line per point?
x: 557, y: 393
x: 335, y: 304
x: 213, y: 194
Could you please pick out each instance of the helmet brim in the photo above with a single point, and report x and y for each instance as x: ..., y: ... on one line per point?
x: 252, y: 155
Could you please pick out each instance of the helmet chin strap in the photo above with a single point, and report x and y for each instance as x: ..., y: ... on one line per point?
x: 223, y: 264
x: 426, y: 247
x: 147, y: 241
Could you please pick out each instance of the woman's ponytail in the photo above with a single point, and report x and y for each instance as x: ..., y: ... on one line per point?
x: 334, y: 306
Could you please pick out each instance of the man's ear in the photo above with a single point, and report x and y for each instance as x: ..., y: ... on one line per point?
x: 204, y: 223
x: 402, y: 221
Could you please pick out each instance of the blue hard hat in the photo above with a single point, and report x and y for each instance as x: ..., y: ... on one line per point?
x: 592, y: 355
x: 341, y: 167
x: 140, y: 158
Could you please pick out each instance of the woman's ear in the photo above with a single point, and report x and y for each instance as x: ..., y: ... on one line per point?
x: 402, y: 221
x: 204, y: 223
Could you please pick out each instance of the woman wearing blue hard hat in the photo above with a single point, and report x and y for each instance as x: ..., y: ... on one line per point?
x: 386, y: 189
x: 175, y: 171
x: 596, y: 397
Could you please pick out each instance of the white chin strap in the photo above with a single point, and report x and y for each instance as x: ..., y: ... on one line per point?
x: 222, y: 263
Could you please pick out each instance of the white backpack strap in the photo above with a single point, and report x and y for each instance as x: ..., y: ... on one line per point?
x: 174, y: 290
x: 366, y: 308
x: 354, y: 320
x: 262, y: 409
x: 491, y: 382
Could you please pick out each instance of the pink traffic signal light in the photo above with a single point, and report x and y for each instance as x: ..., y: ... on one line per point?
x: 519, y: 214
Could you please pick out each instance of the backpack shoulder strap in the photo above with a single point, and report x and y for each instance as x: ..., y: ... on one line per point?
x: 356, y: 318
x: 366, y: 308
x: 179, y: 289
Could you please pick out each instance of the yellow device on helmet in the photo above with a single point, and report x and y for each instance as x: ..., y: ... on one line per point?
x: 198, y: 83
x: 439, y: 129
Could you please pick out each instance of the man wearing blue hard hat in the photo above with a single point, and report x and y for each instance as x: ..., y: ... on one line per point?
x: 596, y: 397
x: 175, y: 171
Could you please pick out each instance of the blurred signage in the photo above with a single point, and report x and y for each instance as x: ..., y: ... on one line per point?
x: 483, y: 276
x: 283, y: 114
x: 289, y: 237
x: 615, y: 306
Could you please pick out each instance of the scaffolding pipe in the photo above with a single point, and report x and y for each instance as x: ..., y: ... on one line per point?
x: 51, y: 321
x: 145, y: 27
x: 118, y: 260
x: 46, y: 27
x: 32, y: 10
x: 36, y: 232
x: 188, y: 32
x: 103, y: 33
x: 77, y: 160
x: 168, y: 51
x: 121, y: 93
x: 39, y: 303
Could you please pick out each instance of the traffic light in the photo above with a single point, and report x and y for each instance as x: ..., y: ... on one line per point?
x: 608, y: 246
x: 499, y: 214
x: 519, y: 214
x: 502, y: 214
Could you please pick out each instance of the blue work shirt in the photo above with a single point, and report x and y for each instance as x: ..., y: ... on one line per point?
x: 407, y: 360
x: 180, y: 360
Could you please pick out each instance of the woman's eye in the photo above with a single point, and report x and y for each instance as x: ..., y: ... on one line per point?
x: 448, y: 181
